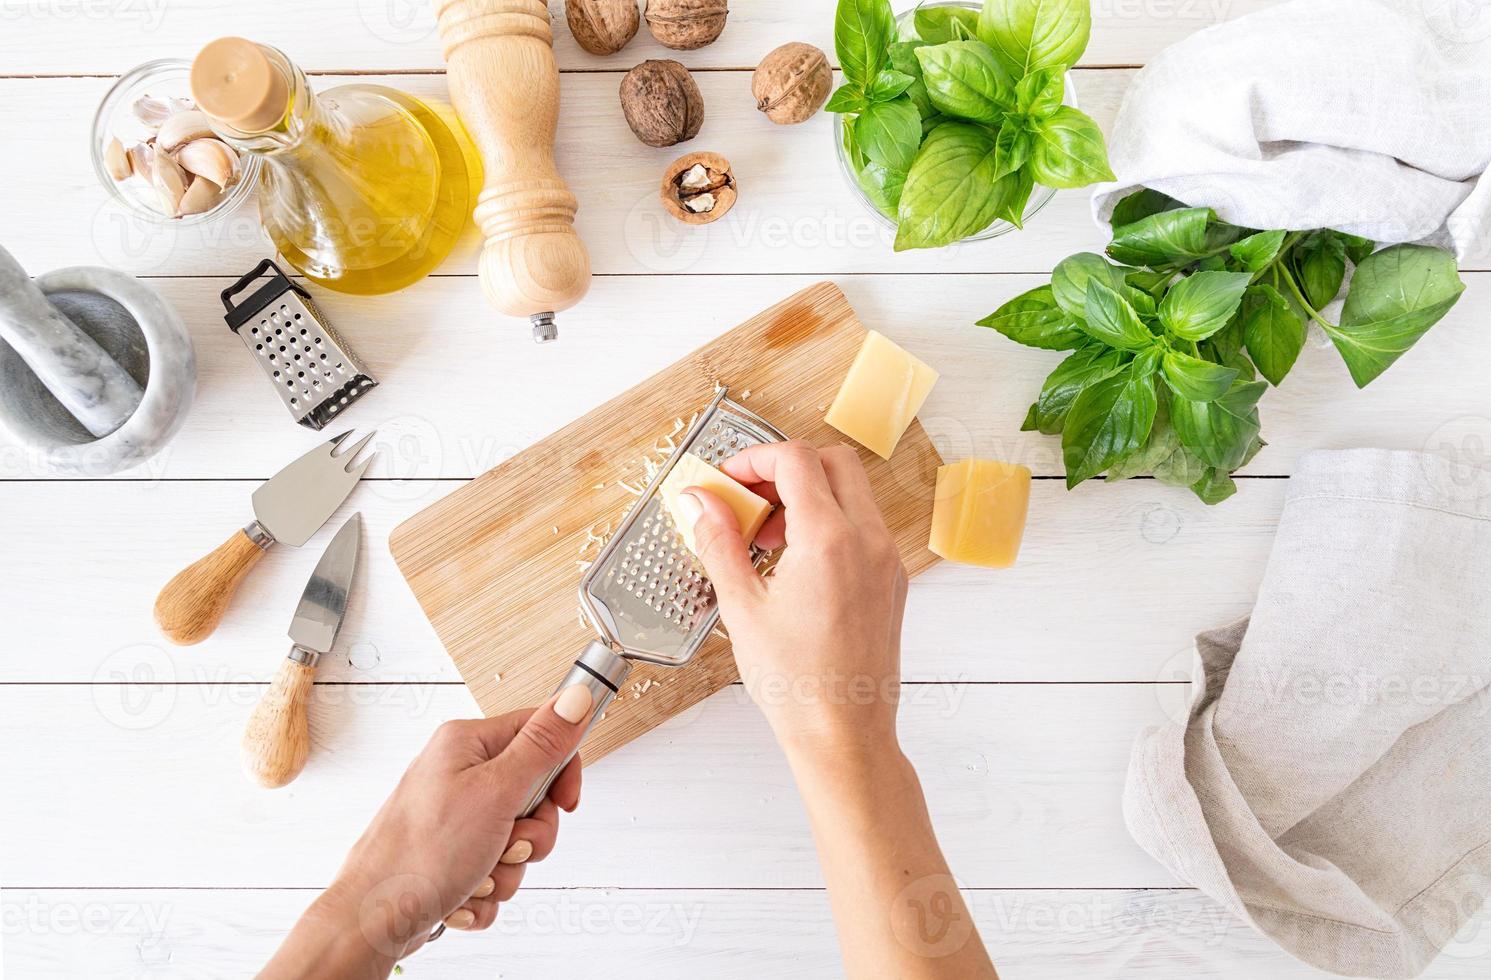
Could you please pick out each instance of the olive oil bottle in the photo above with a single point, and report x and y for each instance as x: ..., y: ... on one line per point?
x: 363, y: 188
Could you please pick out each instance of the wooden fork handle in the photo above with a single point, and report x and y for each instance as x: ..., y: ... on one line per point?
x: 191, y: 605
x: 277, y: 741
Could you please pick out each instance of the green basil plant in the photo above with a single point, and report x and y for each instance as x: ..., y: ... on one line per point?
x: 952, y: 129
x: 1168, y: 344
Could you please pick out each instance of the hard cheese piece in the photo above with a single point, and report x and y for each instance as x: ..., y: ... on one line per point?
x: 880, y: 396
x: 979, y: 513
x: 691, y: 471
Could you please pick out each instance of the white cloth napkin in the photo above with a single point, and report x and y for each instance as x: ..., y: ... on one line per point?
x: 1372, y: 117
x: 1331, y: 784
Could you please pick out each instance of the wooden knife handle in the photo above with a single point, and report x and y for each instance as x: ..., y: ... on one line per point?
x: 277, y: 741
x: 191, y: 605
x: 504, y: 85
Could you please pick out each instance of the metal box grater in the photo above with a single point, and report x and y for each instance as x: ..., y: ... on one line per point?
x: 316, y: 374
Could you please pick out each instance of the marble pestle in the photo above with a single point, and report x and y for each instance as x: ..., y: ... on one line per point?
x: 79, y: 373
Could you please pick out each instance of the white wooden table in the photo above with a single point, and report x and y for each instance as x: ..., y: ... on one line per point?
x: 131, y: 846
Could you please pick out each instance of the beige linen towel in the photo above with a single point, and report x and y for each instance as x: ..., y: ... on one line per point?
x: 1332, y: 784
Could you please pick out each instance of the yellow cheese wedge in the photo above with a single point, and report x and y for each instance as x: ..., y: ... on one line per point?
x: 691, y: 471
x: 880, y: 396
x: 978, y: 516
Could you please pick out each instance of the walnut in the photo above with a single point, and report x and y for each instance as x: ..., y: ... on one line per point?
x: 698, y: 188
x: 661, y: 102
x: 602, y: 26
x: 686, y: 24
x: 792, y: 83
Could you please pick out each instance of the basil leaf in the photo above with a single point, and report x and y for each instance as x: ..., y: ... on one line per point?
x: 1028, y: 36
x: 1141, y: 204
x: 1069, y: 150
x: 1321, y: 263
x: 1220, y: 432
x: 1070, y: 277
x: 1034, y: 319
x: 1039, y: 94
x: 882, y: 186
x: 1013, y: 193
x: 1257, y: 251
x: 903, y: 59
x: 889, y: 133
x: 1202, y: 303
x: 1273, y: 331
x: 1160, y: 446
x: 1152, y: 284
x: 863, y: 31
x: 1182, y: 468
x: 1108, y: 317
x: 938, y: 24
x: 1031, y: 415
x: 1012, y: 147
x: 1108, y: 420
x: 1163, y: 238
x: 1196, y: 379
x: 1396, y: 295
x: 964, y: 79
x: 1087, y: 366
x: 889, y: 84
x: 951, y: 189
x: 1357, y: 247
x: 846, y: 98
x: 1214, y: 487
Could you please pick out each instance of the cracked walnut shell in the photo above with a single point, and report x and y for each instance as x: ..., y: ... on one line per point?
x: 698, y: 188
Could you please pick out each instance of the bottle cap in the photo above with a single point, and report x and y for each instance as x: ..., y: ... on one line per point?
x: 234, y: 82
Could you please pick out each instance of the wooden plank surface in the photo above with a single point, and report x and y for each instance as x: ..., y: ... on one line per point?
x: 394, y: 35
x: 655, y: 934
x: 1185, y: 567
x: 493, y: 564
x: 142, y: 781
x: 461, y: 392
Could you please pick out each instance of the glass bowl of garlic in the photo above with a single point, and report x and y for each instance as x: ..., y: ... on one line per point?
x: 155, y: 153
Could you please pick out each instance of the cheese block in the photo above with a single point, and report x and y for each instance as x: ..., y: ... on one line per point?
x: 691, y: 471
x: 978, y: 515
x: 880, y: 396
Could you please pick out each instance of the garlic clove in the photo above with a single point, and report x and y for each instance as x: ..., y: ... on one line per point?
x: 153, y: 111
x: 210, y: 158
x: 141, y: 160
x: 202, y: 195
x: 169, y: 181
x: 182, y: 128
x: 116, y: 161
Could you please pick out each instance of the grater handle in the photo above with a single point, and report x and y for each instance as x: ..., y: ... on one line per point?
x: 603, y: 671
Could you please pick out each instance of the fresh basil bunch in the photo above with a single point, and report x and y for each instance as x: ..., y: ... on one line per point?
x: 1167, y: 346
x: 954, y: 127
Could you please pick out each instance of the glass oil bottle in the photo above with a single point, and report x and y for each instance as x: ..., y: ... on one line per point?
x: 363, y: 188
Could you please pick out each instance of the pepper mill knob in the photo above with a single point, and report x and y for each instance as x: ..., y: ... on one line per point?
x: 504, y: 85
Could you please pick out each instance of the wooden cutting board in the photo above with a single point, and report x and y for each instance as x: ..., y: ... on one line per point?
x: 499, y: 583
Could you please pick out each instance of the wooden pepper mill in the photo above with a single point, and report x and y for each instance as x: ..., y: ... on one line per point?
x: 504, y: 84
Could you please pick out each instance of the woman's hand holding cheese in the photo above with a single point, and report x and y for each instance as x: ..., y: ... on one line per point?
x: 818, y: 644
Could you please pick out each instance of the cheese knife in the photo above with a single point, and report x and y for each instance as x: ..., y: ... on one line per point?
x: 289, y: 508
x: 277, y: 741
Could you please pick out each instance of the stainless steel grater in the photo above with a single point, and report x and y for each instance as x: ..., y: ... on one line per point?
x: 316, y: 374
x: 646, y: 595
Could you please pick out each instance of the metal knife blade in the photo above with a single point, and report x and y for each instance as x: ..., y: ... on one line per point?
x: 324, y: 603
x: 294, y: 503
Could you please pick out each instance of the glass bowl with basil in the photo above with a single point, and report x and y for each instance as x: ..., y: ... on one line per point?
x: 957, y: 120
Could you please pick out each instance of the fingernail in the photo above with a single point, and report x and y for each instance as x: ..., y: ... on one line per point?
x: 573, y: 704
x: 461, y: 919
x: 521, y: 851
x: 692, y: 507
x: 487, y: 887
